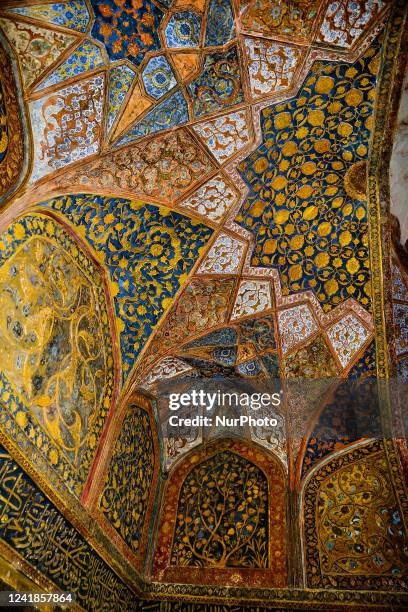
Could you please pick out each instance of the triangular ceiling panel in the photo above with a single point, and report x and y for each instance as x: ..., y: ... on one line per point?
x: 36, y: 47
x: 72, y: 15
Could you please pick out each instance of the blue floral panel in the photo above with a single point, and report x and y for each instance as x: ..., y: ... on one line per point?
x: 220, y: 23
x: 169, y: 113
x: 158, y: 77
x: 86, y: 57
x: 72, y: 15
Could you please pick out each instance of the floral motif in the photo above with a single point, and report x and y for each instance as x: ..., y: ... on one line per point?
x: 219, y: 84
x: 128, y: 28
x: 36, y: 47
x: 355, y: 536
x: 183, y: 30
x: 295, y: 325
x: 212, y: 200
x: 345, y: 20
x: 271, y: 66
x: 85, y: 57
x: 148, y: 252
x: 67, y: 125
x: 169, y: 367
x: 220, y: 23
x: 225, y: 135
x: 399, y: 284
x: 73, y: 14
x: 313, y: 360
x: 164, y: 167
x: 304, y: 222
x: 292, y: 18
x: 120, y: 80
x: 12, y: 138
x: 401, y: 324
x: 252, y: 297
x: 347, y: 336
x: 125, y: 496
x: 253, y: 488
x: 203, y: 304
x: 158, y: 77
x: 169, y: 113
x: 57, y: 382
x: 222, y: 515
x: 224, y: 256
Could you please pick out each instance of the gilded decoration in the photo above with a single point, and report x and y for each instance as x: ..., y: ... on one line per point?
x: 236, y: 532
x: 57, y: 378
x: 148, y: 251
x: 43, y: 539
x: 13, y: 139
x: 355, y: 535
x: 208, y: 198
x: 304, y: 221
x: 129, y: 487
x: 222, y: 515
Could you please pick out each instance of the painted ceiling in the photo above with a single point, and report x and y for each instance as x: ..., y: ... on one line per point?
x: 183, y: 192
x: 212, y: 158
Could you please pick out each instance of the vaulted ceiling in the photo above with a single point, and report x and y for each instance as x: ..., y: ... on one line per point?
x: 185, y: 194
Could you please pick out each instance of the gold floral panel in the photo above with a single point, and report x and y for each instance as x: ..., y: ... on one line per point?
x: 57, y: 367
x: 355, y: 536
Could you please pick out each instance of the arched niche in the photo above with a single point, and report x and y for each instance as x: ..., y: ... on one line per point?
x: 223, y: 518
x: 124, y: 488
x: 352, y: 512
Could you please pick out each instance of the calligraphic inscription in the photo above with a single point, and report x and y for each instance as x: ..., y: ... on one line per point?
x: 33, y: 527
